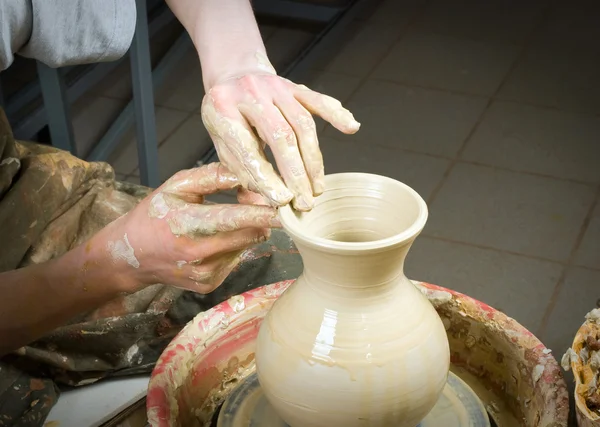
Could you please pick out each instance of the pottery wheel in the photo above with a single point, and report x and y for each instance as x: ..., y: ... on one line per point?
x: 458, y: 406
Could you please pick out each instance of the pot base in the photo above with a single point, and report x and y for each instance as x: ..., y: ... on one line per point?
x: 458, y: 406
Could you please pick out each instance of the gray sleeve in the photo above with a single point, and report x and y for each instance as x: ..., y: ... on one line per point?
x: 66, y: 32
x: 15, y: 29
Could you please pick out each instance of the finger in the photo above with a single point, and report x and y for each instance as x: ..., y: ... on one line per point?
x: 207, y: 220
x: 225, y: 242
x: 330, y: 109
x: 209, y: 276
x: 242, y: 149
x: 274, y: 129
x: 205, y: 180
x: 247, y: 197
x: 306, y: 132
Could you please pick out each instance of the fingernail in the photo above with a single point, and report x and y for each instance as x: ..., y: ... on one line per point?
x: 303, y: 203
x: 353, y: 125
x: 318, y: 186
x: 279, y: 197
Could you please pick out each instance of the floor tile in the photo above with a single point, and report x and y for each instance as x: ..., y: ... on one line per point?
x: 322, y: 57
x: 125, y: 158
x: 182, y: 89
x: 359, y: 56
x: 266, y: 31
x: 572, y: 25
x: 421, y: 172
x: 336, y: 85
x: 588, y: 254
x: 520, y: 287
x: 511, y: 211
x: 427, y: 121
x: 284, y: 45
x: 117, y: 84
x: 503, y: 20
x: 92, y: 116
x: 184, y: 148
x: 397, y: 12
x: 448, y: 62
x: 560, y: 78
x: 579, y: 295
x: 538, y: 140
x: 339, y: 86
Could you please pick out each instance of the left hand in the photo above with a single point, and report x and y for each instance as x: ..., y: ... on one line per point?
x: 174, y: 237
x: 242, y: 113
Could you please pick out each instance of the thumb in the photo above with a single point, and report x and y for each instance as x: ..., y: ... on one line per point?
x: 207, y: 179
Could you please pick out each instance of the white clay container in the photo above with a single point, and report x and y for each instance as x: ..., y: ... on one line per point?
x: 353, y: 342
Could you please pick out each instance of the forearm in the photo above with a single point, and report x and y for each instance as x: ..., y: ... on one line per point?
x: 225, y: 34
x: 37, y: 299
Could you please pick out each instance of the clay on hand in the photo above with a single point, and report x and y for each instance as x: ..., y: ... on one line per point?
x: 174, y: 237
x: 244, y: 113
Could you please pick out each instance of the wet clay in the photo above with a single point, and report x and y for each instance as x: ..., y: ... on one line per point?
x: 584, y: 359
x: 353, y: 321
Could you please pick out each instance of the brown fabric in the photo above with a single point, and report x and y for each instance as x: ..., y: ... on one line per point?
x: 51, y: 202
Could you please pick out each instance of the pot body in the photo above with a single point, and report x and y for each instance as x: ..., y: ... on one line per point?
x: 353, y: 342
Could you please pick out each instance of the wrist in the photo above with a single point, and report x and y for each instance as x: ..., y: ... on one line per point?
x: 98, y: 268
x: 218, y: 69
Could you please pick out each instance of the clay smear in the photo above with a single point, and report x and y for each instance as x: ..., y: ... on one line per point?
x: 241, y: 152
x: 122, y: 250
x: 158, y: 207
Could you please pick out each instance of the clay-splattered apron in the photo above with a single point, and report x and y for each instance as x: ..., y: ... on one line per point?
x: 51, y: 202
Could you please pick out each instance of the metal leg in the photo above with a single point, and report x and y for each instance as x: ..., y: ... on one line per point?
x: 143, y: 100
x: 85, y: 77
x: 113, y: 135
x: 2, y: 104
x: 57, y: 108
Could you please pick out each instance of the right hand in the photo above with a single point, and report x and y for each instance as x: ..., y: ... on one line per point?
x: 174, y: 237
x: 245, y: 112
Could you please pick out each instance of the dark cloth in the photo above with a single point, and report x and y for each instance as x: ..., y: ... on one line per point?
x: 51, y: 202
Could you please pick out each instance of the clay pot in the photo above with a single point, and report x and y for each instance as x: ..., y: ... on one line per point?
x: 353, y: 339
x: 582, y: 371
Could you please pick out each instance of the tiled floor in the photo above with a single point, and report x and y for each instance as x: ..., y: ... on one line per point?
x: 491, y: 110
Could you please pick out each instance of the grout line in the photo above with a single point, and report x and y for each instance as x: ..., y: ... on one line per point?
x: 504, y: 251
x: 456, y: 159
x: 569, y: 264
x: 340, y: 138
x: 486, y: 110
x: 175, y: 129
x: 494, y: 97
x: 363, y: 80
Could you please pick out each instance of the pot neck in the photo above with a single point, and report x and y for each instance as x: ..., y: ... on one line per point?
x: 356, y: 274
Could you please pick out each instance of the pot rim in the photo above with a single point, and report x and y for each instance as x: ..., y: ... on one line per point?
x: 360, y: 181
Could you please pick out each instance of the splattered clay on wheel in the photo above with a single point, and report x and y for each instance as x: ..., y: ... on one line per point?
x: 458, y: 406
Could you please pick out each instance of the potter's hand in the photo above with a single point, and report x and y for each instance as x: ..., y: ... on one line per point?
x: 280, y: 113
x: 174, y: 237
